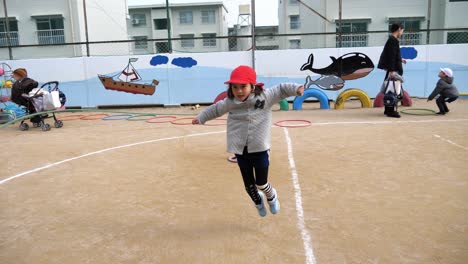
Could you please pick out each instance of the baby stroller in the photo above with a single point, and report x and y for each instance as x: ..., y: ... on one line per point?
x: 36, y: 104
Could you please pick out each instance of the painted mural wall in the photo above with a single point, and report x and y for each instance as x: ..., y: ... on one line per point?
x: 199, y: 78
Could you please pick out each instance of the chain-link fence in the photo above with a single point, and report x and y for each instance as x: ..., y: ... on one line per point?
x: 142, y: 46
x: 202, y: 28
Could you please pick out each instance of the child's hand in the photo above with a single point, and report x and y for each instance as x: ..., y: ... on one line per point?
x: 25, y: 95
x: 300, y: 90
x: 195, y: 121
x: 403, y: 60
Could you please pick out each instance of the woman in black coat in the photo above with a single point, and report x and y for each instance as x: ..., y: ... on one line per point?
x: 391, y: 61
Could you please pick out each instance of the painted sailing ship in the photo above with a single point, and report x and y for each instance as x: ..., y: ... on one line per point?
x: 126, y: 81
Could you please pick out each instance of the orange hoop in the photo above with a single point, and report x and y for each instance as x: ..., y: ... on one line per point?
x: 70, y: 117
x: 94, y: 116
x: 305, y: 123
x: 176, y: 122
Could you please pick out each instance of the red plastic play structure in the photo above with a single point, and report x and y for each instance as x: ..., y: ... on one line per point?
x: 405, y: 101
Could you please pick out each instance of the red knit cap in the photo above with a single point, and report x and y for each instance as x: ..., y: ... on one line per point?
x: 21, y: 72
x: 244, y: 75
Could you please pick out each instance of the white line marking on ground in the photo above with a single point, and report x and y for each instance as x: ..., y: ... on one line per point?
x: 450, y: 142
x: 306, y: 239
x: 386, y: 122
x: 102, y: 151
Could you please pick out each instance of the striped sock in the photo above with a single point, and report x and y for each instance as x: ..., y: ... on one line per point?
x: 269, y: 191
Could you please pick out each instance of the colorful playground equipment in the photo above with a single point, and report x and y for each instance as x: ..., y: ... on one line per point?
x: 316, y: 93
x: 284, y: 105
x: 405, y: 101
x: 220, y: 97
x: 352, y: 93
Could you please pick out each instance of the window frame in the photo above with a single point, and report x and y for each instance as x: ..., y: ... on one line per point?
x: 187, y: 38
x: 209, y: 38
x: 296, y: 23
x: 138, y: 40
x: 142, y: 22
x: 208, y: 22
x: 185, y: 22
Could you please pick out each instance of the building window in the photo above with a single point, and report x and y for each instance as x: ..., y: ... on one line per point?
x: 295, y: 44
x: 457, y: 37
x: 141, y: 42
x: 293, y: 2
x: 187, y: 41
x: 162, y: 47
x: 160, y: 24
x: 352, y: 34
x: 294, y: 22
x: 209, y: 40
x: 138, y: 20
x: 458, y: 0
x: 411, y: 36
x: 50, y: 30
x: 208, y: 17
x: 13, y: 29
x: 186, y: 17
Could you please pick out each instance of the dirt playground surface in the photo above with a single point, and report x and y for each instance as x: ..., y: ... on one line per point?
x: 369, y: 189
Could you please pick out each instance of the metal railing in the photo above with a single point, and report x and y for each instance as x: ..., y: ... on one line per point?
x: 53, y: 45
x: 52, y: 36
x: 14, y: 39
x: 411, y: 38
x: 352, y: 40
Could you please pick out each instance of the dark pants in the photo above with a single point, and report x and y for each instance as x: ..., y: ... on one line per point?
x: 442, y: 103
x: 254, y: 170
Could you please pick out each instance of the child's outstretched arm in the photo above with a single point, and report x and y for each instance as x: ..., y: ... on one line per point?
x: 441, y: 85
x: 212, y: 112
x: 282, y: 91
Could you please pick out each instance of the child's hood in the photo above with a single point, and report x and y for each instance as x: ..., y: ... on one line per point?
x: 448, y: 80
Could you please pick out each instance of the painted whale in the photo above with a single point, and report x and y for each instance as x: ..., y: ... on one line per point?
x: 350, y: 66
x: 325, y: 82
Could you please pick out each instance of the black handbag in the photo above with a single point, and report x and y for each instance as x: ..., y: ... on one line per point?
x: 390, y: 98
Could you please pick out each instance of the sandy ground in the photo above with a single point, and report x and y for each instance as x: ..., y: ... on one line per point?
x: 373, y: 189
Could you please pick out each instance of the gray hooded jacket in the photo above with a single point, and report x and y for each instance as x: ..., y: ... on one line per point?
x: 445, y: 87
x: 249, y: 122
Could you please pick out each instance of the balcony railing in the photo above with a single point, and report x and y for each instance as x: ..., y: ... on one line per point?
x: 411, y: 38
x: 14, y: 39
x: 352, y: 40
x: 53, y: 36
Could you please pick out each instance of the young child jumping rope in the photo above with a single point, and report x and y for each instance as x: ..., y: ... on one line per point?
x: 248, y: 130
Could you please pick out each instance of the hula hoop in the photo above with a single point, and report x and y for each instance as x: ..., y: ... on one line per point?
x: 232, y: 159
x: 306, y: 123
x: 217, y: 124
x: 116, y: 117
x: 94, y: 116
x: 71, y: 117
x: 141, y: 117
x: 429, y: 112
x: 177, y: 123
x: 151, y: 120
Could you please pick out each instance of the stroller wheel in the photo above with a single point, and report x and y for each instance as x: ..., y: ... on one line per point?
x: 58, y: 124
x: 24, y: 127
x: 45, y: 127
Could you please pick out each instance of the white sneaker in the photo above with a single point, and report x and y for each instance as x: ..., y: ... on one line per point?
x: 274, y: 205
x: 261, y: 207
